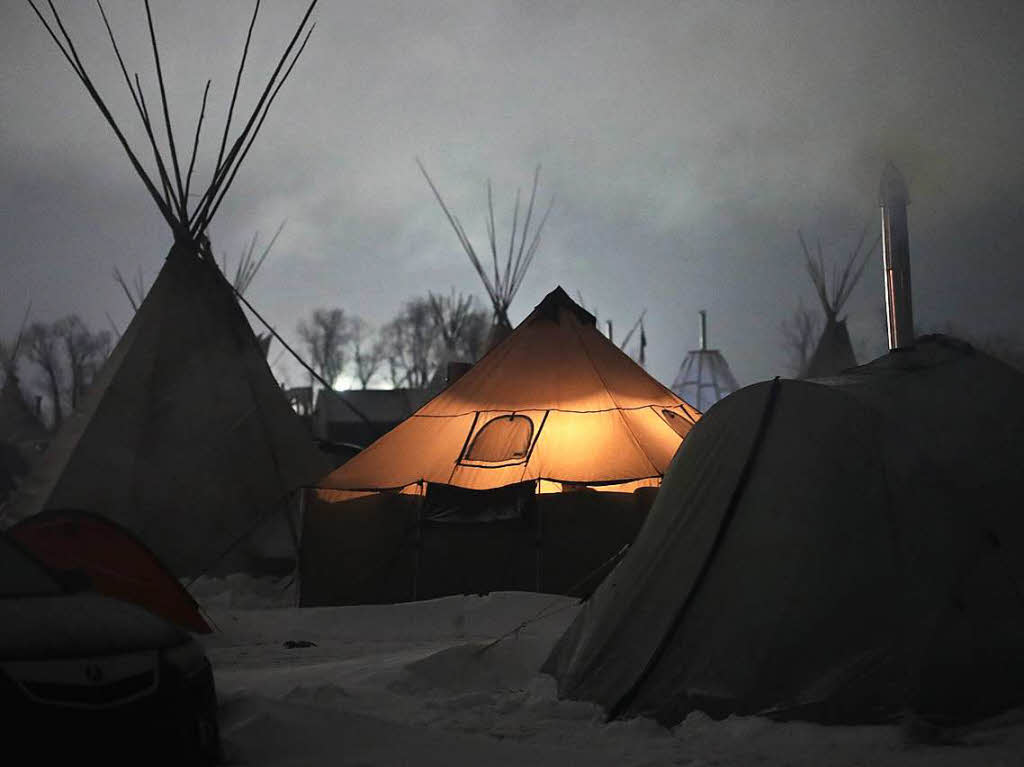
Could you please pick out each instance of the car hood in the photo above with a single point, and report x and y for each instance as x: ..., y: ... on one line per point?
x: 75, y: 625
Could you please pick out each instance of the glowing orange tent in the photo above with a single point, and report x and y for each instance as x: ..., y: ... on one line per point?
x: 555, y: 402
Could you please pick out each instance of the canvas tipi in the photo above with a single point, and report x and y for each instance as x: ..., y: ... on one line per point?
x: 185, y: 438
x: 503, y: 280
x: 844, y: 550
x: 704, y: 377
x: 834, y: 352
x: 501, y: 469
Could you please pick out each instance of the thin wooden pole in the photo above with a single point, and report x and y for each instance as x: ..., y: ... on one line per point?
x: 419, y: 544
x: 539, y: 545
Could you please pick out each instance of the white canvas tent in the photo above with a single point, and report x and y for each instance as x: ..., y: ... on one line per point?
x: 184, y: 438
x: 849, y: 551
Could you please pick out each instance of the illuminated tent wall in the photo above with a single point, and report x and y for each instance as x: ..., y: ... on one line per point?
x: 845, y: 551
x: 184, y: 437
x: 555, y: 407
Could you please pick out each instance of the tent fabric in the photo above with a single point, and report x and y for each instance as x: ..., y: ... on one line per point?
x: 833, y: 353
x: 378, y: 552
x: 185, y: 437
x: 596, y: 415
x: 871, y: 564
x: 115, y: 562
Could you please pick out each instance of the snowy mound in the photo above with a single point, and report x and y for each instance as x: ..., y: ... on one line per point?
x: 454, y: 682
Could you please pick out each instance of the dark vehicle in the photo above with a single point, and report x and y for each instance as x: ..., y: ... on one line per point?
x: 84, y: 675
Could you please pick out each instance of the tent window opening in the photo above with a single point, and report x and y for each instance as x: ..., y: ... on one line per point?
x: 679, y: 424
x: 505, y: 438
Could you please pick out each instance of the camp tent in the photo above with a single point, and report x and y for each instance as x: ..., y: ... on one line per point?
x: 833, y: 352
x: 184, y: 437
x: 105, y: 557
x: 704, y: 377
x: 842, y: 552
x: 555, y: 403
x: 494, y: 482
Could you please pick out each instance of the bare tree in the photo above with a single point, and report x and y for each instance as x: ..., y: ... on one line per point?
x: 462, y: 328
x: 411, y: 344
x: 800, y: 333
x: 367, y: 354
x: 327, y: 336
x: 85, y: 352
x: 45, y: 349
x: 472, y: 341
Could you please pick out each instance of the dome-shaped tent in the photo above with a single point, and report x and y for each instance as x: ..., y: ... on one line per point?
x: 840, y: 551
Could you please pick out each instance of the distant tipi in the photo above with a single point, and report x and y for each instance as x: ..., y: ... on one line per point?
x: 503, y: 280
x: 185, y: 438
x: 704, y: 377
x: 834, y: 351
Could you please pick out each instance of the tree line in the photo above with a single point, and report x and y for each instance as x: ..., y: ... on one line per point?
x: 406, y: 352
x: 60, y: 359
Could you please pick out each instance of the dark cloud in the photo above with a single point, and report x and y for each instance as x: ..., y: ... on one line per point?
x: 686, y: 141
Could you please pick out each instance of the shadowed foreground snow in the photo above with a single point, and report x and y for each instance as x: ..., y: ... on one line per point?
x: 421, y: 684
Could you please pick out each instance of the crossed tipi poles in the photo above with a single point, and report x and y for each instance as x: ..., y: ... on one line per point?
x: 504, y: 276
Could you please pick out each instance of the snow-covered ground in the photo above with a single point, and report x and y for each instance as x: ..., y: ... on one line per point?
x: 426, y: 684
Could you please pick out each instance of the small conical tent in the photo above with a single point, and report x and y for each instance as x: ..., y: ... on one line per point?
x: 704, y: 377
x: 841, y: 551
x: 555, y: 402
x: 184, y: 438
x: 834, y: 351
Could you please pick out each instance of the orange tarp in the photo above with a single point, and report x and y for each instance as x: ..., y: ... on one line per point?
x: 598, y: 417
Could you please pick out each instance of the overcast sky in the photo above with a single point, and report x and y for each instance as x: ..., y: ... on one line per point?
x: 686, y: 142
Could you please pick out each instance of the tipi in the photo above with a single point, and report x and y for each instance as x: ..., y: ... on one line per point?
x: 550, y: 414
x: 834, y: 351
x: 502, y: 282
x: 185, y: 438
x: 704, y: 377
x: 844, y: 550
